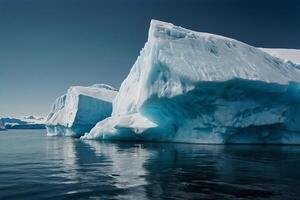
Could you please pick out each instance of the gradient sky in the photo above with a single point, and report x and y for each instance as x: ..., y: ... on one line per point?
x: 48, y: 45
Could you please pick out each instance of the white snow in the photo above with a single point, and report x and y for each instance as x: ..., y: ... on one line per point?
x: 31, y: 119
x: 204, y: 88
x: 285, y: 54
x: 80, y: 109
x: 26, y: 122
x: 134, y: 122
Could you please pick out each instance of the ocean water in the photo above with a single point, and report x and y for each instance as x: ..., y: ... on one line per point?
x: 33, y: 166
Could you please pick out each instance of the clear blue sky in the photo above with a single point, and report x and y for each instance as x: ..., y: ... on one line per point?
x: 48, y: 45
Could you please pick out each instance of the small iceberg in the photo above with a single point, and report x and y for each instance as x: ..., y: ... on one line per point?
x: 78, y: 111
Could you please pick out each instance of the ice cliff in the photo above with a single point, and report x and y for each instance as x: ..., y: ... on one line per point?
x: 196, y: 87
x: 80, y: 109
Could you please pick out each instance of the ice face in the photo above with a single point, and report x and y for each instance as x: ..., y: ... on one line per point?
x: 203, y: 88
x: 80, y: 109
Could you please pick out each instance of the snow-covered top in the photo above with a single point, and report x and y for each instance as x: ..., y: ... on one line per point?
x: 285, y: 54
x: 174, y: 59
x: 103, y: 92
x: 165, y: 30
x: 208, y: 57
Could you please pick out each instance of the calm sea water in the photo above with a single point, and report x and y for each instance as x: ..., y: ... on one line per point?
x: 33, y: 166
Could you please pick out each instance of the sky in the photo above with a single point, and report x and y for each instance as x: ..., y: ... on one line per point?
x: 46, y: 46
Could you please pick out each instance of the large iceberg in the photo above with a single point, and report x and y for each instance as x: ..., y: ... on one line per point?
x: 196, y: 87
x: 80, y: 109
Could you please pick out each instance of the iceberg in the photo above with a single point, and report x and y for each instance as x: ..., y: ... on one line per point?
x: 195, y: 87
x: 80, y: 109
x: 27, y: 122
x: 2, y: 126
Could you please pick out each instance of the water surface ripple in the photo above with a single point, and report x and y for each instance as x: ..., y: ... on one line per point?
x: 33, y: 166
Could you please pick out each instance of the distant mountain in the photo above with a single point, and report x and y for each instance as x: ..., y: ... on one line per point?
x: 27, y: 122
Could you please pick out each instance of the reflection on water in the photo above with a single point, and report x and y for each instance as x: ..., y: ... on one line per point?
x: 35, y: 166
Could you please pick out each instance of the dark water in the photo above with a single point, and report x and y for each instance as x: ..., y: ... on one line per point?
x: 33, y: 166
